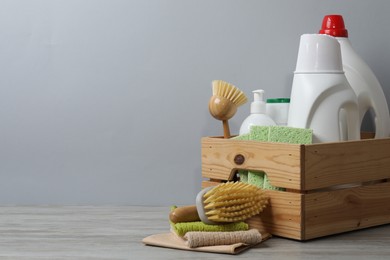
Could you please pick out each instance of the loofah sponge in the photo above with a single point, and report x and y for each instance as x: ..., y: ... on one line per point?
x: 259, y: 133
x: 281, y: 134
x: 256, y: 178
x: 285, y: 134
x: 197, y: 239
x: 243, y: 176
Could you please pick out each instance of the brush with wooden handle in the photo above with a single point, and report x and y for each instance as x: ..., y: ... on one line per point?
x: 225, y: 203
x: 224, y: 103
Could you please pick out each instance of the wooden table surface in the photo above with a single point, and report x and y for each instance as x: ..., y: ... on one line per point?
x: 115, y: 232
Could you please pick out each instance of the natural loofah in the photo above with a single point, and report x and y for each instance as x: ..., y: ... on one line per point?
x: 243, y: 176
x: 285, y: 134
x: 256, y: 178
x: 259, y: 133
x: 198, y: 239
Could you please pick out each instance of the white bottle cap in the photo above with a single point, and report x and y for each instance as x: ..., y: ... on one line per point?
x: 258, y: 105
x: 319, y: 53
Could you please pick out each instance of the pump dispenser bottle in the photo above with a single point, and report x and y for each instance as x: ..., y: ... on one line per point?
x: 361, y: 78
x: 258, y: 113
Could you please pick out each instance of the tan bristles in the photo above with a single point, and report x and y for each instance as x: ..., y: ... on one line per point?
x: 224, y: 89
x: 234, y: 201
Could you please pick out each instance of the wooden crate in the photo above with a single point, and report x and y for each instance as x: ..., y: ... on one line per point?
x: 330, y: 187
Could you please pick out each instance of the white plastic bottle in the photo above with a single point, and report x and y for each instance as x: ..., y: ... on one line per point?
x: 361, y: 78
x: 321, y: 93
x: 258, y: 113
x: 277, y: 109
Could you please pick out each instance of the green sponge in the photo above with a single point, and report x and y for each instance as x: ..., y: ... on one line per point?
x: 281, y: 134
x: 285, y: 134
x: 259, y: 133
x: 256, y: 178
x: 243, y: 175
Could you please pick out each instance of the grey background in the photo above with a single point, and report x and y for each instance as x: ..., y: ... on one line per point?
x: 105, y: 102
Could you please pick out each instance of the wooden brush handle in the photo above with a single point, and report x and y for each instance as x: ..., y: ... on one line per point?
x: 226, y: 130
x: 184, y: 214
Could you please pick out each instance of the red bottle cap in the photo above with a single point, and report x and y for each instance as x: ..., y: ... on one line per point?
x: 334, y: 25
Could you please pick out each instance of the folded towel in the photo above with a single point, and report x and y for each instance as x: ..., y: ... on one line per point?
x: 182, y: 228
x: 198, y: 239
x: 171, y: 240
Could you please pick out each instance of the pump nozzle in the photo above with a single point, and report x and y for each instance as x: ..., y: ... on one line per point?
x: 258, y: 95
x: 258, y: 104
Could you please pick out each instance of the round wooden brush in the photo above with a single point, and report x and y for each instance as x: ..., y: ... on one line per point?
x: 225, y: 203
x: 224, y: 102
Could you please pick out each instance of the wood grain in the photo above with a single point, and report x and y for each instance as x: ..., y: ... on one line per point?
x: 347, y: 209
x: 281, y: 162
x: 331, y: 164
x: 282, y: 217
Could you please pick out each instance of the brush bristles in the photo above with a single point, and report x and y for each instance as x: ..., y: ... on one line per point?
x: 229, y: 91
x: 233, y: 202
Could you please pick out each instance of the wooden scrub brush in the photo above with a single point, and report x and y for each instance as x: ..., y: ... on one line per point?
x: 224, y: 102
x: 225, y: 203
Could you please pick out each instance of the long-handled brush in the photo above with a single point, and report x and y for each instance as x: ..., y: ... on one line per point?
x: 224, y: 203
x: 224, y: 102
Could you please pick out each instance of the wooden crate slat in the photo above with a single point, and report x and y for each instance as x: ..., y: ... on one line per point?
x: 344, y: 210
x: 282, y: 217
x: 281, y: 162
x: 330, y: 164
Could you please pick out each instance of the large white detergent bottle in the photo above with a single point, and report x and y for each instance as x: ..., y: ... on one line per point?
x: 321, y: 97
x: 258, y: 114
x: 361, y: 78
